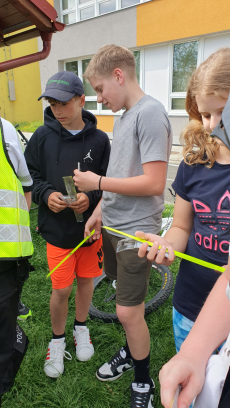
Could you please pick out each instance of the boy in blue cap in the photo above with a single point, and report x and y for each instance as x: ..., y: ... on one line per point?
x: 69, y: 138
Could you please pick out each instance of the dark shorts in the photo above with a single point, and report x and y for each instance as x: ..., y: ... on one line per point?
x: 130, y: 271
x: 13, y: 341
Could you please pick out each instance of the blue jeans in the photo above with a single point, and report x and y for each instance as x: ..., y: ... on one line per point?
x: 181, y: 328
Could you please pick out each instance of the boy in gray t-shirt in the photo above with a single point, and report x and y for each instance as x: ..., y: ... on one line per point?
x: 132, y: 200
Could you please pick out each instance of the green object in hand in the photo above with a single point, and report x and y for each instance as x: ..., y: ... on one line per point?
x: 71, y: 190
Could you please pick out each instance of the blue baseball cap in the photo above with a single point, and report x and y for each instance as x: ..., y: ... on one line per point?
x: 63, y: 86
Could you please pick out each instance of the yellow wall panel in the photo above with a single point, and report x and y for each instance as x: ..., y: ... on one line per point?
x: 105, y: 123
x: 166, y: 20
x: 26, y: 82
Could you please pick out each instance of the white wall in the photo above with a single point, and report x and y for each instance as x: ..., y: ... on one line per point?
x: 156, y: 73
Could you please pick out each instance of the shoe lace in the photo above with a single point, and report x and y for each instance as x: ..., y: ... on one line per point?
x: 83, y: 337
x: 139, y: 399
x: 116, y: 359
x: 58, y: 353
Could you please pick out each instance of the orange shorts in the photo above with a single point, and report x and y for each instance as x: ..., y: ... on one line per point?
x: 86, y: 262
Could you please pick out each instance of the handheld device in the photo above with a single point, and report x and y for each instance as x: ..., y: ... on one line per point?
x: 68, y: 199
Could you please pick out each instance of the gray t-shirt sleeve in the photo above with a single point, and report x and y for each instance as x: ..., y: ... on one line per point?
x: 153, y: 129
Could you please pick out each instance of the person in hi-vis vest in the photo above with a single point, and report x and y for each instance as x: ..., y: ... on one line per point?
x: 15, y: 249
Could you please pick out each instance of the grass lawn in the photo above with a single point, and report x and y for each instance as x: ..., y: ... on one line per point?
x: 29, y: 126
x: 78, y: 387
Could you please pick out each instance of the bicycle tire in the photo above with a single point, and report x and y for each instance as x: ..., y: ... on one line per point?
x: 161, y: 296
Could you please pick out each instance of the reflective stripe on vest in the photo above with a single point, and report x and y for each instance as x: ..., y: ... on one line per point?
x: 15, y: 237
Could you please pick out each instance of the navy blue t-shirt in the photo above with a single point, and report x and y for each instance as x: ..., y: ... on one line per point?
x: 208, y: 190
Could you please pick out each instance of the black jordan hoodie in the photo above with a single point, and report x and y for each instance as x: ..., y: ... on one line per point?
x: 52, y: 153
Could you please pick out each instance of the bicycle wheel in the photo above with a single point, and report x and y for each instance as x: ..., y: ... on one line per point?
x: 103, y: 305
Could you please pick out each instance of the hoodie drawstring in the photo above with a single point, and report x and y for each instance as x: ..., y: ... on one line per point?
x: 59, y: 144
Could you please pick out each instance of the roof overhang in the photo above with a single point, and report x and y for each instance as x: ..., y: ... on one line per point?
x: 21, y: 20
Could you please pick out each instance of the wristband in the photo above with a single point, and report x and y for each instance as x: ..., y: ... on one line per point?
x: 99, y: 185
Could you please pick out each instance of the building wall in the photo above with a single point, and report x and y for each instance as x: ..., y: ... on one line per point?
x: 153, y: 28
x: 167, y: 20
x: 26, y: 81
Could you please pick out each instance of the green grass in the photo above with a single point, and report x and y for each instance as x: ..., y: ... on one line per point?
x: 29, y: 126
x: 78, y: 387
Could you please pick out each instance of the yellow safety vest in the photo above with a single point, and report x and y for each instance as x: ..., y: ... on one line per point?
x: 15, y: 237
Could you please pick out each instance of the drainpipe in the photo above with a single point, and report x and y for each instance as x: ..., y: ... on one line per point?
x: 28, y: 59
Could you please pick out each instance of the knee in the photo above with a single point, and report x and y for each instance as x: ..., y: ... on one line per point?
x: 84, y: 282
x: 62, y: 294
x: 124, y: 315
x: 129, y: 316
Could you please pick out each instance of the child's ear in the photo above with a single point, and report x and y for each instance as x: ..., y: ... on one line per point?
x: 119, y: 76
x: 82, y: 101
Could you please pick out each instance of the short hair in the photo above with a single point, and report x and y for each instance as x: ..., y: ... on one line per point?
x: 108, y: 58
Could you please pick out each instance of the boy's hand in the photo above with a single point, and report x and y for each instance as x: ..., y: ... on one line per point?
x: 154, y: 254
x: 94, y: 222
x: 55, y: 204
x: 86, y: 181
x: 82, y: 203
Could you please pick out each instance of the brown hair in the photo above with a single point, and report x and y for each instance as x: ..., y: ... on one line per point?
x: 212, y: 77
x: 109, y: 58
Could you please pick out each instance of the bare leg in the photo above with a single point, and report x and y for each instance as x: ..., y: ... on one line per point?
x: 83, y: 297
x: 137, y: 333
x: 59, y: 309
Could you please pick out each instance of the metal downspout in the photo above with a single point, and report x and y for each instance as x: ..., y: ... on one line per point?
x: 28, y: 59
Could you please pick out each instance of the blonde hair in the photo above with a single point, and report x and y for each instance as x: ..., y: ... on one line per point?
x: 108, y: 58
x: 212, y: 77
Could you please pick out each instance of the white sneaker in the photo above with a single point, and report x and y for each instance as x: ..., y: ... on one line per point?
x: 54, y: 365
x: 83, y: 343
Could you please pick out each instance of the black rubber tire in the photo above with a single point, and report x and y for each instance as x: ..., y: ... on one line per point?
x: 158, y: 300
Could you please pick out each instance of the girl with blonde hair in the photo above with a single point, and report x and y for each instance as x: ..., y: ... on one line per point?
x: 201, y: 222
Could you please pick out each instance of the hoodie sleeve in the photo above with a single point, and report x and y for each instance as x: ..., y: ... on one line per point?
x: 95, y: 195
x: 41, y: 189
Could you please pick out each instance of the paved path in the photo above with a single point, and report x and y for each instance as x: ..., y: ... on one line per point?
x: 174, y: 161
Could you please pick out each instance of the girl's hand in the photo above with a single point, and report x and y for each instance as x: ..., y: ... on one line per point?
x: 86, y: 181
x: 155, y: 254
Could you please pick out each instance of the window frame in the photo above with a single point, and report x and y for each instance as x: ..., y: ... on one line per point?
x: 78, y: 7
x: 93, y: 98
x: 178, y: 95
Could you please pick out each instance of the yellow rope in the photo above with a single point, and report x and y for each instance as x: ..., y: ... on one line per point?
x: 179, y: 254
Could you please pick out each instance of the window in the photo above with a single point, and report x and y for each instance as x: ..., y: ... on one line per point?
x: 77, y: 10
x: 184, y: 63
x: 79, y: 67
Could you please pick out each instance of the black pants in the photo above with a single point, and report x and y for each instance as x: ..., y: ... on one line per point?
x: 13, y: 341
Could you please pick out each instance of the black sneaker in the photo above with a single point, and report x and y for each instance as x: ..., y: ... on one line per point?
x: 23, y: 311
x: 114, y: 369
x: 142, y: 395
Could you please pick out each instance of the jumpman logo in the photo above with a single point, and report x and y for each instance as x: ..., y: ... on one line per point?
x: 88, y: 156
